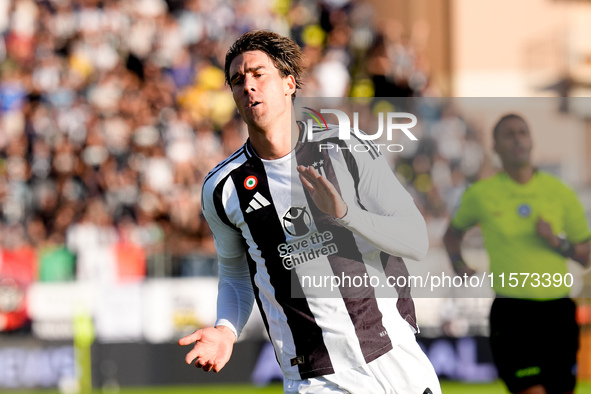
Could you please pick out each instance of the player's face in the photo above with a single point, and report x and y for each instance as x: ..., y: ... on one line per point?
x: 513, y: 143
x: 261, y: 94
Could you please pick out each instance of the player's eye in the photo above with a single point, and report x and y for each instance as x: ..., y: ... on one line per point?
x: 237, y: 81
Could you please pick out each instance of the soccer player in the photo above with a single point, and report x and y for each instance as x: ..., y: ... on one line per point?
x: 342, y: 213
x: 531, y: 223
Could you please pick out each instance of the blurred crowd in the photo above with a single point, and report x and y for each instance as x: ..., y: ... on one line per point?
x: 113, y: 111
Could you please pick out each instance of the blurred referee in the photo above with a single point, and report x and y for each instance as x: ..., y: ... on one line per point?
x: 531, y: 223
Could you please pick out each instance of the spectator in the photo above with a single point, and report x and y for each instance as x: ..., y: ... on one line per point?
x: 116, y: 110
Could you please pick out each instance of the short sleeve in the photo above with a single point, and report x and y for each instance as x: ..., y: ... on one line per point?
x: 575, y: 222
x: 466, y: 213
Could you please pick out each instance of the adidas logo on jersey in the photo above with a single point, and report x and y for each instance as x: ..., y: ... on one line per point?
x: 257, y: 202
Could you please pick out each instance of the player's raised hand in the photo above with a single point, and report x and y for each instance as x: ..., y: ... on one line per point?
x: 325, y: 195
x: 213, y: 347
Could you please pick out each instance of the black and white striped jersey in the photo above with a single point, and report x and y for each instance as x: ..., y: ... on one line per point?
x: 259, y: 209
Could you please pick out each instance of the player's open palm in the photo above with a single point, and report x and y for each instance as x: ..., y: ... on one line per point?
x: 213, y: 347
x: 325, y: 195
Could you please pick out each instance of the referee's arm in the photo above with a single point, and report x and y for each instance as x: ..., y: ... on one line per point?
x: 579, y: 252
x: 453, y: 245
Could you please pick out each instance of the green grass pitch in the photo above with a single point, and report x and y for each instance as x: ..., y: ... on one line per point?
x: 446, y: 386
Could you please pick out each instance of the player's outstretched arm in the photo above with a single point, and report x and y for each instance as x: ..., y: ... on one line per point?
x: 212, y: 349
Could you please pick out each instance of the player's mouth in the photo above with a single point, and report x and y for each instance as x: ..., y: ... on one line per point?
x: 253, y: 104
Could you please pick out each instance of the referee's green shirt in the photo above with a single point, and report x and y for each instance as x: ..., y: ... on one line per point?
x: 507, y: 213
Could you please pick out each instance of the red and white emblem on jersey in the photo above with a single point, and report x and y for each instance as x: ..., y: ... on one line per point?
x: 251, y: 182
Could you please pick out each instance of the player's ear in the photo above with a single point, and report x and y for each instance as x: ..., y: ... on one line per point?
x: 289, y: 85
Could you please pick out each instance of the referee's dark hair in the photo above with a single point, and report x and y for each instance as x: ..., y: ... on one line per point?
x: 285, y: 54
x: 504, y: 118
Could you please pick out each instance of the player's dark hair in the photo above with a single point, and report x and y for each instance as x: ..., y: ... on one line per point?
x: 503, y: 119
x: 285, y: 54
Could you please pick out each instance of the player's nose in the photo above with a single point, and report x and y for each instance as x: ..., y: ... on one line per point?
x: 249, y: 84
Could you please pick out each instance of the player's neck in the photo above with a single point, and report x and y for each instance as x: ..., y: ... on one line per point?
x: 277, y: 141
x: 520, y: 174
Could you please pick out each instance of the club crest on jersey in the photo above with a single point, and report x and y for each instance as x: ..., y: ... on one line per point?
x: 297, y: 221
x: 251, y: 182
x: 524, y: 210
x: 319, y: 166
